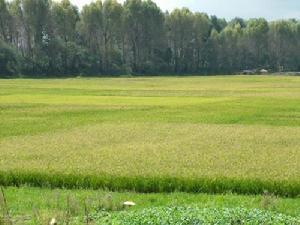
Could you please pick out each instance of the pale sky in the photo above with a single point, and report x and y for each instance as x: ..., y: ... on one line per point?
x: 269, y: 9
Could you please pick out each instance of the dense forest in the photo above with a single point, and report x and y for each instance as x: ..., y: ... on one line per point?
x: 42, y: 38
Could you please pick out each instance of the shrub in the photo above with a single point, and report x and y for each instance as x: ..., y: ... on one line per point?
x: 9, y: 60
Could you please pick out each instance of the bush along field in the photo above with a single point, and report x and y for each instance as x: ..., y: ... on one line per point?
x: 222, y: 134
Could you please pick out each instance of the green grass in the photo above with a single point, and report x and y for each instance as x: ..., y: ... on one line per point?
x: 194, y: 134
x: 24, y: 204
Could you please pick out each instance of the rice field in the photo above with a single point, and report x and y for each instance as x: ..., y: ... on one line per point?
x: 193, y: 134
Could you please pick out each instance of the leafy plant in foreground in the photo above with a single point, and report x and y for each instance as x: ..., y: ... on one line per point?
x: 195, y: 216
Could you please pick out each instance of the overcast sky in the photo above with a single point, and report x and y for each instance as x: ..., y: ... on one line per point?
x: 269, y: 9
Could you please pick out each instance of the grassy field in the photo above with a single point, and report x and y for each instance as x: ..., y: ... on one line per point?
x: 195, y: 134
x: 37, y: 206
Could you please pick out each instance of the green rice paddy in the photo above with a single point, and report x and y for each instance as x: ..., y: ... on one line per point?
x: 193, y: 134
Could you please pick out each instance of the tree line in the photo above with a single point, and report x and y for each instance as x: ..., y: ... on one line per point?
x: 49, y: 38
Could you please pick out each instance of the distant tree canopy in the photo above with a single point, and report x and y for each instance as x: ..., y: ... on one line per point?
x: 48, y: 38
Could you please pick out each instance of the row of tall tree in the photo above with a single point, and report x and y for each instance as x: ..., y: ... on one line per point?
x: 49, y: 38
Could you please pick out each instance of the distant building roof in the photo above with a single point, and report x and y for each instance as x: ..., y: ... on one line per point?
x: 263, y: 71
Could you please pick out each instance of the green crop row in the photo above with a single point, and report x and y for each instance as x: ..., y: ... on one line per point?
x: 191, y: 215
x: 151, y: 184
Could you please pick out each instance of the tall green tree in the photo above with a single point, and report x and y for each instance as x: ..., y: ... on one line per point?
x: 180, y: 27
x: 34, y: 15
x: 112, y: 20
x: 91, y: 30
x: 201, y: 32
x: 256, y: 37
x: 144, y: 24
x: 231, y: 49
x: 281, y: 45
x: 65, y: 17
x: 5, y: 21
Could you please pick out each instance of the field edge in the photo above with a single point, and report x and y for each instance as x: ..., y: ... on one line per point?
x: 137, y: 184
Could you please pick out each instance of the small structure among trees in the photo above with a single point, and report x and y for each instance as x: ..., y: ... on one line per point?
x: 263, y: 71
